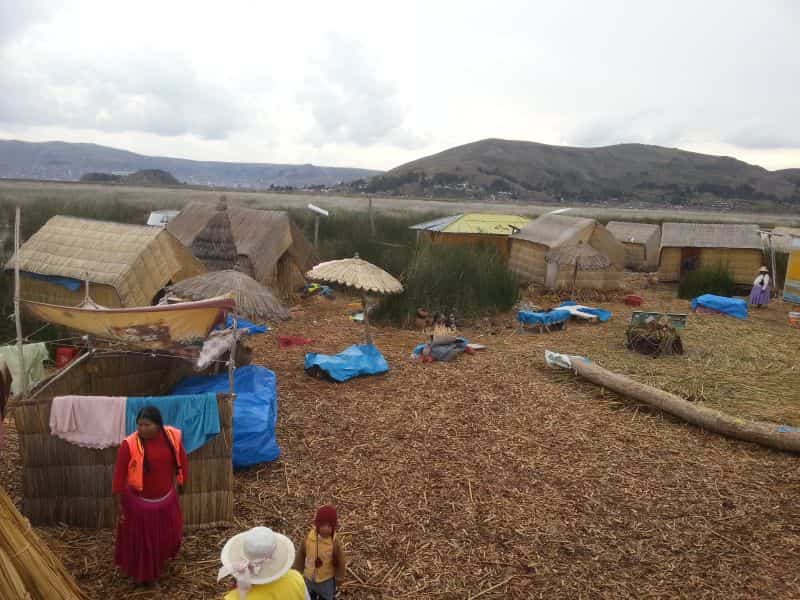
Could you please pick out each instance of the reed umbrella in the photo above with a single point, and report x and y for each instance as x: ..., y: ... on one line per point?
x: 581, y: 257
x: 358, y: 275
x: 254, y: 301
x: 215, y: 245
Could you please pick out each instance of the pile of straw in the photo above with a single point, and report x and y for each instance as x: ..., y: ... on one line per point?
x: 28, y: 569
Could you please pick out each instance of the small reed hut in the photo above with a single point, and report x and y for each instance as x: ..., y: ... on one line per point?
x: 270, y: 247
x: 65, y: 483
x: 641, y: 242
x: 126, y: 265
x: 472, y: 229
x: 531, y: 245
x: 689, y: 246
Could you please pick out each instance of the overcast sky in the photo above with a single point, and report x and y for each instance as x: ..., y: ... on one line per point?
x: 375, y: 84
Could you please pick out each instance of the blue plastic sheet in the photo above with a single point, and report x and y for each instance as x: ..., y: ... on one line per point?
x: 601, y: 314
x: 196, y: 415
x: 255, y: 411
x: 73, y: 285
x: 357, y: 360
x: 244, y: 325
x: 734, y: 307
x: 420, y: 347
x: 552, y: 317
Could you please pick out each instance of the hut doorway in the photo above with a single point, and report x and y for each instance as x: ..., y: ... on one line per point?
x: 690, y: 260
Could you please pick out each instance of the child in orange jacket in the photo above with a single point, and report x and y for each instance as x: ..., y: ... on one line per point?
x: 320, y: 557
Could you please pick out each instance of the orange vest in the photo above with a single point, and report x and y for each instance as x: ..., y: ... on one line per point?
x: 136, y: 463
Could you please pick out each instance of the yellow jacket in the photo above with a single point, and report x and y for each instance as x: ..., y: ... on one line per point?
x: 330, y: 552
x: 289, y: 587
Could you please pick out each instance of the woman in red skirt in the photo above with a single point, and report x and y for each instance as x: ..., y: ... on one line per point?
x: 151, y: 470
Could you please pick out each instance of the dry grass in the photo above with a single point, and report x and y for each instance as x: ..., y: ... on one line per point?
x: 490, y: 474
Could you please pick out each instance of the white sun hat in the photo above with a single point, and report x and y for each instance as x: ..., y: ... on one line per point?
x: 256, y: 556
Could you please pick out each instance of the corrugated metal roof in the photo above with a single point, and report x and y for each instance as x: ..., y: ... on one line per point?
x: 710, y: 235
x: 476, y: 223
x: 632, y: 233
x: 553, y: 230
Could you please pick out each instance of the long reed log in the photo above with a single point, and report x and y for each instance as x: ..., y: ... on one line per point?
x: 766, y: 434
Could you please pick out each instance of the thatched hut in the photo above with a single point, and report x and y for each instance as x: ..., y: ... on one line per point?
x: 472, y: 229
x: 126, y: 265
x: 531, y: 245
x: 65, y: 483
x: 689, y: 246
x: 214, y: 246
x: 641, y: 242
x: 270, y: 248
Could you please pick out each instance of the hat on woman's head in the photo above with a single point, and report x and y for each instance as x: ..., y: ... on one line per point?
x: 326, y: 515
x: 256, y: 556
x: 763, y: 270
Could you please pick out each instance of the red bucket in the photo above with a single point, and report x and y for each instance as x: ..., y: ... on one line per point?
x: 633, y: 300
x: 64, y: 356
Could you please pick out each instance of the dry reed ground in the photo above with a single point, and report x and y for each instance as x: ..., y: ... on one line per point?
x: 494, y: 477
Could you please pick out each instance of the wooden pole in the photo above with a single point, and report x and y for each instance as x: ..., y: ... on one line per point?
x: 232, y: 358
x: 773, y: 287
x: 367, y: 335
x: 316, y: 232
x: 574, y: 279
x: 18, y: 317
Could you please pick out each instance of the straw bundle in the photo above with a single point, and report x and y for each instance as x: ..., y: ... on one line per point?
x: 215, y: 245
x: 28, y: 569
x: 64, y: 483
x: 253, y: 300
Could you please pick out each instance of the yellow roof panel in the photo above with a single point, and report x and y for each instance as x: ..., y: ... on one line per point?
x: 487, y: 224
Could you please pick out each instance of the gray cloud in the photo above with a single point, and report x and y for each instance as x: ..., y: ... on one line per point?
x: 350, y: 103
x: 135, y: 90
x: 16, y: 17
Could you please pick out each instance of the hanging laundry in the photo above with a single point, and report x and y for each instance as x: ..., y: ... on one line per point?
x: 89, y: 421
x: 35, y: 355
x: 196, y: 415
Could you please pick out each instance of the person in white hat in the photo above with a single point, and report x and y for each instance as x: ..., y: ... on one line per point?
x: 759, y: 295
x: 260, y: 561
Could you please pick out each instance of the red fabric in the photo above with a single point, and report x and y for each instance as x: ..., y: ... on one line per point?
x: 148, y: 536
x: 326, y: 515
x: 286, y: 341
x: 160, y: 478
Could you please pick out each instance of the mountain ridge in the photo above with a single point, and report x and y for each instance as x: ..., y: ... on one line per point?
x: 68, y: 161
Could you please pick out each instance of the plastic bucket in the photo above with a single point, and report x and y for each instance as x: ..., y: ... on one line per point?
x: 64, y: 356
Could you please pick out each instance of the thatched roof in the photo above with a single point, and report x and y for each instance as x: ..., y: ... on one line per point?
x: 710, y: 235
x: 253, y: 300
x: 357, y: 274
x: 263, y: 236
x: 136, y: 260
x: 553, y: 230
x: 633, y: 233
x: 586, y: 257
x: 214, y: 245
x: 787, y: 240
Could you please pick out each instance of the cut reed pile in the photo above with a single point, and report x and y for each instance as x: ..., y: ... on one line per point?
x: 488, y: 478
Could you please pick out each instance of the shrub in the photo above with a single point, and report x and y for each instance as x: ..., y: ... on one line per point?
x: 469, y: 281
x: 707, y: 280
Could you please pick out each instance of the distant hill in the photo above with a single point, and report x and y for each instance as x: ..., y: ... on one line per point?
x: 792, y: 175
x: 68, y: 162
x: 625, y: 173
x: 145, y: 177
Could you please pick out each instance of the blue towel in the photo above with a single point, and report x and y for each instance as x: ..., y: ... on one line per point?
x: 601, y: 314
x: 196, y: 415
x: 243, y: 325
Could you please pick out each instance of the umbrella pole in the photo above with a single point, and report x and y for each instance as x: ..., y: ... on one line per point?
x: 574, y: 279
x: 232, y: 359
x: 367, y: 335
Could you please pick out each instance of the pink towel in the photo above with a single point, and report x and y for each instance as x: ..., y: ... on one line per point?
x: 89, y: 421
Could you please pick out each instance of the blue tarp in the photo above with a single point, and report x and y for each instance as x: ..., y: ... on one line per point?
x: 357, y: 360
x: 255, y: 411
x: 528, y: 317
x: 196, y: 415
x: 729, y: 306
x: 243, y: 324
x: 73, y: 285
x: 601, y: 314
x: 420, y: 347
